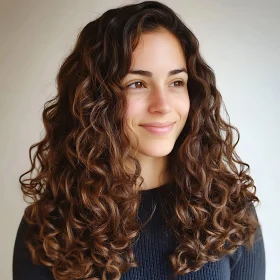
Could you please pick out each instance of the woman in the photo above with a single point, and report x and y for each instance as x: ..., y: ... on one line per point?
x: 137, y: 174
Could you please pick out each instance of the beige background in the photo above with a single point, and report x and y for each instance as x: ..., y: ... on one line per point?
x: 239, y: 40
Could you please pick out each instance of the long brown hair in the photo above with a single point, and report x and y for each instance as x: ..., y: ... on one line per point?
x: 83, y: 215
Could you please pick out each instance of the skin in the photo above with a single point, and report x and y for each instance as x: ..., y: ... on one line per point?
x: 157, y: 98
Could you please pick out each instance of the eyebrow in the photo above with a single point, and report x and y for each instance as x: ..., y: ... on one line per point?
x: 150, y: 74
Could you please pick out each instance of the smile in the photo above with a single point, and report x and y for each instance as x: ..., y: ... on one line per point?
x: 159, y: 130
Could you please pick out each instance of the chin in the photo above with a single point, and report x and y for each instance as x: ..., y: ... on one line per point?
x: 156, y: 151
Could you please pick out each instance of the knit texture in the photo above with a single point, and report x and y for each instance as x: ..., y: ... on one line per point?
x: 152, y: 248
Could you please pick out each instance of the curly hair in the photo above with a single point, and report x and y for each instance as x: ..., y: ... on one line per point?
x: 83, y: 215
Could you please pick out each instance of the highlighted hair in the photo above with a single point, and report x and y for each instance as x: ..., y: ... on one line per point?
x: 83, y: 215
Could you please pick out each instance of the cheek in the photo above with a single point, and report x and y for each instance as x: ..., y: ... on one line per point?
x: 134, y: 110
x: 184, y: 107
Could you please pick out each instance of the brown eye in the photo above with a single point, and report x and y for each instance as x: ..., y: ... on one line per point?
x: 178, y: 83
x: 136, y: 85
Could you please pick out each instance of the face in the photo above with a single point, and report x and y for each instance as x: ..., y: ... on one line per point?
x: 157, y: 94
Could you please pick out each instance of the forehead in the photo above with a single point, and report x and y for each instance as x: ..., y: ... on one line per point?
x: 158, y: 49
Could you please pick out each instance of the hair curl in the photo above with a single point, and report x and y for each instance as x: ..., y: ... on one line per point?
x: 84, y: 222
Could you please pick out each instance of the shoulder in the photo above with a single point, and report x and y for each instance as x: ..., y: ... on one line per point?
x: 23, y: 267
x: 246, y: 261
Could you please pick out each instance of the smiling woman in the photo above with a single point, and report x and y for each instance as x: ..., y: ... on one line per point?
x: 157, y: 110
x: 135, y: 178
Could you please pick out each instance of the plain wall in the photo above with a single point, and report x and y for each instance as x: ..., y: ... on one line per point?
x: 238, y: 39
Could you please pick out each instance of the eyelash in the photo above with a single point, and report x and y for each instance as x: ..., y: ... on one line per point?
x: 182, y: 83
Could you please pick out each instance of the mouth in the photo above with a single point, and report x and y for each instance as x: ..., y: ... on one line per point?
x: 157, y: 124
x: 159, y: 130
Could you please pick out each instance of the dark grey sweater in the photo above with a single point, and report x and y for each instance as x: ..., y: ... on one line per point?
x: 151, y: 250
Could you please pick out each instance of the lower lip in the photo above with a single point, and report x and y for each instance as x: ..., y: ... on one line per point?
x: 159, y: 130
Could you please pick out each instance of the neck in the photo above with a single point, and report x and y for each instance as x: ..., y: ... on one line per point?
x: 153, y: 171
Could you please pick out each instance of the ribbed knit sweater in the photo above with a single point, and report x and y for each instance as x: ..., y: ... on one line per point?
x: 152, y: 248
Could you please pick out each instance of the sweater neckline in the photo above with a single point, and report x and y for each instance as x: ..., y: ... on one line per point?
x: 157, y: 189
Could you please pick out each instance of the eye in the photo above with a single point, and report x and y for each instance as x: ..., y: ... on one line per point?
x: 178, y: 83
x: 136, y: 85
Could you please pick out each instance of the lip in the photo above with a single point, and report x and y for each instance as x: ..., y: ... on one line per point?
x: 158, y: 124
x: 159, y: 128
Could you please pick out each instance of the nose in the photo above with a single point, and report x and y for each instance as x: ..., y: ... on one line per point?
x: 159, y: 102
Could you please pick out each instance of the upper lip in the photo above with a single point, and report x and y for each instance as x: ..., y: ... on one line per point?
x: 157, y: 124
